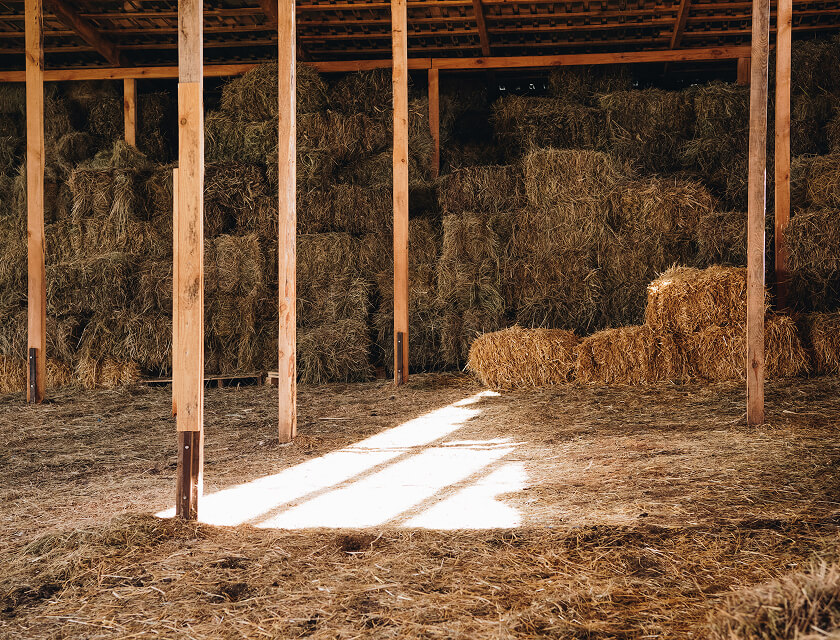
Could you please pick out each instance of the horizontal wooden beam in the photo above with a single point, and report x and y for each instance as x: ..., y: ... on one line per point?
x: 335, y: 66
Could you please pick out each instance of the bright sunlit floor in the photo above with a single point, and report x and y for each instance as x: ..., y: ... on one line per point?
x: 411, y: 475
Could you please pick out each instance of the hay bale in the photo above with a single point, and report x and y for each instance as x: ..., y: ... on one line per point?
x: 483, y: 190
x: 719, y: 353
x: 469, y: 282
x: 646, y: 127
x: 105, y: 118
x: 518, y: 358
x: 13, y: 98
x: 470, y: 154
x: 232, y: 191
x: 14, y: 374
x: 581, y: 84
x: 344, y: 207
x: 582, y: 177
x: 334, y: 352
x: 228, y: 139
x: 369, y: 92
x: 685, y: 299
x: 635, y: 355
x: 91, y: 284
x: 234, y: 265
x: 813, y: 240
x: 106, y: 374
x: 722, y: 163
x: 815, y: 181
x: 670, y: 207
x: 720, y: 109
x: 793, y: 606
x: 722, y: 238
x: 815, y: 66
x: 821, y: 335
x: 253, y: 95
x: 143, y: 338
x: 522, y: 123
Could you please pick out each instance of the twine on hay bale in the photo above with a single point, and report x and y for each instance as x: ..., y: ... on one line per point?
x: 482, y: 189
x: 719, y: 353
x: 793, y: 606
x: 685, y: 299
x: 634, y: 355
x: 517, y: 358
x: 821, y: 333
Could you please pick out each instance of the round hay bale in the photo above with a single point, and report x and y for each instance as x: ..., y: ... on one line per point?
x: 517, y: 358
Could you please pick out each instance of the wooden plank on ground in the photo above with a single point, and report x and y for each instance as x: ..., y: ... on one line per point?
x: 782, y: 164
x: 36, y: 271
x: 757, y: 202
x: 286, y: 251
x: 434, y: 118
x: 400, y: 80
x: 188, y: 362
x: 130, y: 110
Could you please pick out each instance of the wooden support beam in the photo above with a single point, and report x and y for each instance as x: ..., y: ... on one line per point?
x: 269, y: 8
x: 87, y: 32
x: 130, y: 110
x: 481, y: 23
x: 175, y: 280
x: 784, y: 22
x: 757, y: 200
x: 679, y: 25
x: 434, y: 118
x: 286, y: 250
x: 188, y: 352
x: 36, y: 271
x: 744, y: 72
x: 399, y: 26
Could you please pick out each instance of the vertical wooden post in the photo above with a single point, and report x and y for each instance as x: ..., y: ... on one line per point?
x: 399, y: 19
x: 188, y: 353
x: 36, y: 271
x: 744, y: 72
x: 434, y: 118
x: 784, y: 22
x: 175, y: 226
x: 286, y: 250
x: 757, y: 210
x: 130, y: 110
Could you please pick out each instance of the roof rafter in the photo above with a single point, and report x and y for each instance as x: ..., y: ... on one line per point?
x: 483, y: 36
x: 87, y: 32
x: 679, y: 26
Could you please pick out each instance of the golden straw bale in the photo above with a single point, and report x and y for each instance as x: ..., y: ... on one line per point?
x: 668, y: 206
x: 822, y: 337
x: 14, y: 374
x: 518, y: 358
x: 634, y: 355
x: 685, y: 299
x: 720, y: 353
x: 334, y: 352
x: 107, y: 373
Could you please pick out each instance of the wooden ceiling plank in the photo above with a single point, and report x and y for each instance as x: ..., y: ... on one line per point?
x: 87, y: 32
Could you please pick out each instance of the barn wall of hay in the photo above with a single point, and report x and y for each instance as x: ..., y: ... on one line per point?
x: 554, y: 209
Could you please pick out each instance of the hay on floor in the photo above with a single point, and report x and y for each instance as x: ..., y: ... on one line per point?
x: 685, y: 299
x: 518, y: 358
x: 635, y: 355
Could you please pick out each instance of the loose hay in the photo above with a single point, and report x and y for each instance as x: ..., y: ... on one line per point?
x: 518, y: 358
x: 685, y: 299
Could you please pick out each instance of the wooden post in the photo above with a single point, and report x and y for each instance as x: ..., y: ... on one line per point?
x: 130, y: 110
x: 286, y: 251
x: 744, y: 72
x: 434, y: 118
x: 756, y: 210
x: 36, y: 270
x: 175, y: 226
x: 399, y: 21
x: 784, y: 22
x: 188, y: 352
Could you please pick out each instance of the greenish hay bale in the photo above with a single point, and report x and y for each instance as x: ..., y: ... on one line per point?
x: 821, y: 333
x: 106, y: 374
x: 57, y: 195
x: 685, y: 299
x: 809, y: 118
x: 815, y: 66
x: 114, y: 195
x: 63, y: 333
x: 671, y: 207
x: 120, y: 155
x: 487, y: 189
x: 227, y: 139
x: 722, y: 238
x: 582, y: 176
x: 816, y: 180
x: 721, y: 162
x: 158, y: 198
x: 376, y: 256
x: 234, y: 265
x: 793, y: 606
x: 344, y: 207
x: 58, y: 120
x: 106, y: 119
x: 90, y: 284
x: 14, y: 374
x: 368, y: 92
x: 469, y: 282
x: 128, y: 336
x: 231, y: 316
x: 719, y: 353
x: 646, y: 127
x: 721, y: 109
x: 13, y: 98
x: 232, y: 192
x: 71, y: 150
x: 635, y: 355
x: 470, y: 154
x: 581, y: 84
x: 253, y: 95
x: 525, y: 122
x: 518, y: 358
x: 334, y: 352
x: 813, y: 240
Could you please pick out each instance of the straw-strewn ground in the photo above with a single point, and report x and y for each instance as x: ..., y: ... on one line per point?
x: 618, y: 512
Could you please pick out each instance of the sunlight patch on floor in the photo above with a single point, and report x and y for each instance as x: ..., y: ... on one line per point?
x: 377, y: 481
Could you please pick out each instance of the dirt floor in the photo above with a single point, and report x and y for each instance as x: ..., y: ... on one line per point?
x: 571, y: 512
